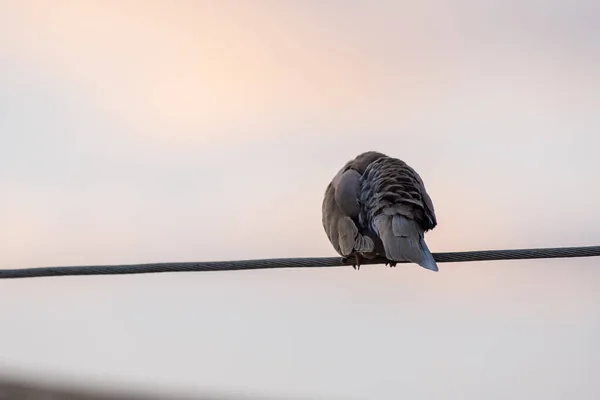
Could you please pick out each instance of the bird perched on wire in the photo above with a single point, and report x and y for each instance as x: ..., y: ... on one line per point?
x: 377, y: 205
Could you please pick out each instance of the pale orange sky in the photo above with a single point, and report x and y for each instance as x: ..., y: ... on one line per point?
x: 151, y: 131
x: 214, y: 64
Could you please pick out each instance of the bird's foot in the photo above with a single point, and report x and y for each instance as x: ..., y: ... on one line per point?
x: 356, y: 260
x: 391, y: 263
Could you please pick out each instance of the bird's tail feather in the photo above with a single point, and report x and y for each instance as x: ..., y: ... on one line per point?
x: 403, y: 240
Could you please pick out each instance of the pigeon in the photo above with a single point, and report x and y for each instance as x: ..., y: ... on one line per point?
x: 377, y: 206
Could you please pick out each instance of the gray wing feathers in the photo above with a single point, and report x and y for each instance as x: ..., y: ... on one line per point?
x: 364, y: 244
x: 395, y: 204
x: 427, y: 202
x: 350, y: 239
x: 347, y: 231
x: 340, y: 206
x: 346, y: 193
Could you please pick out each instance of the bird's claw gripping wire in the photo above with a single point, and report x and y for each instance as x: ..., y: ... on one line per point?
x: 356, y: 260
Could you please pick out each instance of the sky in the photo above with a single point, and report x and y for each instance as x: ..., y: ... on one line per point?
x: 153, y: 131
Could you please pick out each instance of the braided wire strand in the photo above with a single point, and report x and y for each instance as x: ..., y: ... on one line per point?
x: 314, y: 262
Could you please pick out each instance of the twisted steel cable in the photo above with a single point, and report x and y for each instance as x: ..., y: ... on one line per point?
x: 314, y: 262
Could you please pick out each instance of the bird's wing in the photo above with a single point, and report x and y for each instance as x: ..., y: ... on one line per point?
x: 347, y: 188
x: 419, y: 186
x: 340, y: 209
x: 397, y: 206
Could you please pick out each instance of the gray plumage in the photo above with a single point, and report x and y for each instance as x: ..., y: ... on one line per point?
x: 378, y: 205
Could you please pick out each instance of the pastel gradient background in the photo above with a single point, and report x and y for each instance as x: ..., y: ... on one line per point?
x: 155, y: 131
